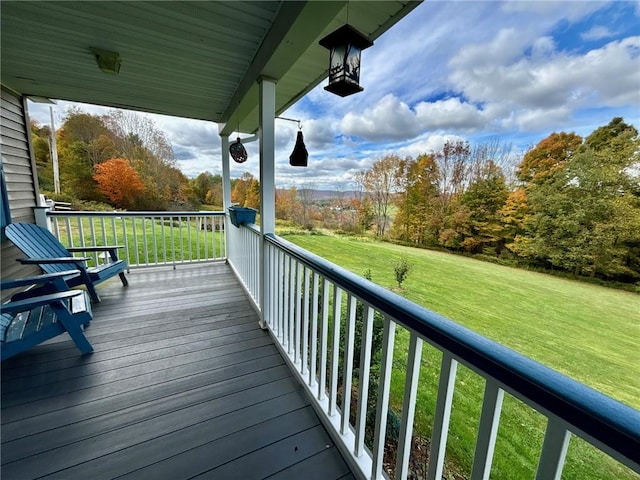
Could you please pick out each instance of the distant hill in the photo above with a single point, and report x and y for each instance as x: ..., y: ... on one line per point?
x: 329, y: 194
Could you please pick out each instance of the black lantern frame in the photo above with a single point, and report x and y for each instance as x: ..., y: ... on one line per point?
x: 345, y: 45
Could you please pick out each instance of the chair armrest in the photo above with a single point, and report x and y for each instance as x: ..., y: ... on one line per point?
x: 29, y: 303
x: 95, y: 248
x: 35, y: 280
x: 35, y: 261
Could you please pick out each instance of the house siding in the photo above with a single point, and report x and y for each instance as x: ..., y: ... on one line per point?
x: 20, y: 177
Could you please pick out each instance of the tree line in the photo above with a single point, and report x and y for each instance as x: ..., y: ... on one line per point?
x: 119, y: 160
x: 570, y: 204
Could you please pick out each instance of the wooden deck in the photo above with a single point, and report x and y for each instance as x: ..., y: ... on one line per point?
x: 182, y: 384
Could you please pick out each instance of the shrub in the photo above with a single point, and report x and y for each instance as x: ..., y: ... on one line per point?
x: 402, y: 269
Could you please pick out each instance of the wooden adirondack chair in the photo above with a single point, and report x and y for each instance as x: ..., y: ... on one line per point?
x: 43, y: 249
x: 35, y: 318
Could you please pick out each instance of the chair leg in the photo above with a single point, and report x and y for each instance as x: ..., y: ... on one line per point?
x: 92, y: 292
x: 73, y: 327
x: 124, y: 280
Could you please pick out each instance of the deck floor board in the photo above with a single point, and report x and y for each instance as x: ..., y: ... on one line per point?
x: 183, y: 383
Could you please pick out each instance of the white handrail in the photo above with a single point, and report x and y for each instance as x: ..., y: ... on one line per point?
x: 148, y: 238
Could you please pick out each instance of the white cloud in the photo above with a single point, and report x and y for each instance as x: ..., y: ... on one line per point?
x: 393, y: 119
x: 387, y: 119
x: 597, y: 33
x: 547, y: 82
x: 428, y: 144
x: 450, y: 114
x: 545, y: 9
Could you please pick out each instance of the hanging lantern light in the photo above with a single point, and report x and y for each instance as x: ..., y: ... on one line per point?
x: 345, y: 45
x: 238, y: 152
x: 299, y: 156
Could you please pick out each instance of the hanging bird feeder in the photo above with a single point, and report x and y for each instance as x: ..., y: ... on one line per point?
x: 238, y: 152
x: 345, y: 45
x: 299, y: 156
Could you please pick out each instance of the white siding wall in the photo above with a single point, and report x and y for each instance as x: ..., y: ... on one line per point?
x: 21, y: 180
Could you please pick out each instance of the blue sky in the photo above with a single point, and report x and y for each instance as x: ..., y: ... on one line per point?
x: 476, y: 70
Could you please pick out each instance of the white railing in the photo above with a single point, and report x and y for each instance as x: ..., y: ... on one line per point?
x: 243, y: 252
x: 318, y: 313
x: 147, y: 238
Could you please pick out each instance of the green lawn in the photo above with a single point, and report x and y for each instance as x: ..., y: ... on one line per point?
x: 588, y: 332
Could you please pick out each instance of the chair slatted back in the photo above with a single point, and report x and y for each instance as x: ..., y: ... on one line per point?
x: 38, y: 242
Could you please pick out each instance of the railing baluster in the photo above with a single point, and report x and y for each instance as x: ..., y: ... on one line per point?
x: 173, y: 242
x: 145, y: 242
x: 291, y: 305
x: 125, y: 236
x: 382, y: 404
x: 363, y: 379
x: 81, y: 232
x: 298, y: 326
x: 313, y: 357
x: 189, y: 239
x: 275, y: 290
x: 554, y: 450
x: 69, y: 235
x: 487, y: 431
x: 114, y: 234
x: 135, y: 239
x: 281, y: 288
x: 92, y: 231
x: 285, y: 302
x: 196, y: 232
x: 335, y: 350
x: 181, y: 239
x: 164, y: 240
x: 348, y: 363
x: 56, y: 227
x: 154, y: 239
x: 105, y: 241
x: 323, y: 339
x: 442, y: 416
x: 270, y: 293
x: 205, y: 234
x: 305, y: 321
x: 408, y: 406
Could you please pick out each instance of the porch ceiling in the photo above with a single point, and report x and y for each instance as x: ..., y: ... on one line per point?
x: 196, y: 59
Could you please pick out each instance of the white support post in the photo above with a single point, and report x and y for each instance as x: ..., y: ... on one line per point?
x: 42, y: 220
x: 267, y: 133
x: 226, y: 191
x: 226, y: 173
x: 267, y: 155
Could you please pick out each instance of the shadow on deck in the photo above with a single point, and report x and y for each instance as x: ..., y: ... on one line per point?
x: 182, y: 384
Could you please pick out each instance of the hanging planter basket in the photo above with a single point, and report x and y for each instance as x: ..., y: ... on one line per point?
x: 238, y: 152
x: 242, y: 215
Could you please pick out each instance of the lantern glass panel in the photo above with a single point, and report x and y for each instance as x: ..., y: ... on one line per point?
x: 352, y: 64
x: 345, y: 64
x: 336, y: 67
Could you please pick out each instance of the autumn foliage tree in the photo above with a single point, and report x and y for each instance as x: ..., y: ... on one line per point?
x: 119, y: 182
